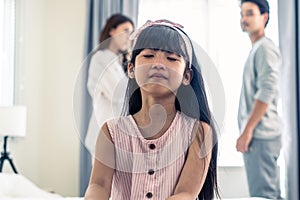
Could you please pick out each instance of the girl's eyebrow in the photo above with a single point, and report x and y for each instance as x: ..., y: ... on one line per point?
x: 172, y: 53
x: 166, y: 51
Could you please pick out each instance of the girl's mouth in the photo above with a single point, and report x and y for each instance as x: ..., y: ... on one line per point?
x: 158, y: 76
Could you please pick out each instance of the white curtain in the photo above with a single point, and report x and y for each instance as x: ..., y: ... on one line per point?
x: 288, y: 10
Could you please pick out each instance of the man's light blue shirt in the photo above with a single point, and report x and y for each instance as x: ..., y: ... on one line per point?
x: 261, y: 82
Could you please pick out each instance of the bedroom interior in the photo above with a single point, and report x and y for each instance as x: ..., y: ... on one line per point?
x: 50, y: 47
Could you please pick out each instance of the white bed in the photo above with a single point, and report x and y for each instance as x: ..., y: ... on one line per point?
x: 18, y: 187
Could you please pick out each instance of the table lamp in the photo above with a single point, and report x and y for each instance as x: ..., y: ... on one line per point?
x: 12, y: 124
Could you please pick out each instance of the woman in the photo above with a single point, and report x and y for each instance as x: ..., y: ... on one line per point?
x: 106, y: 73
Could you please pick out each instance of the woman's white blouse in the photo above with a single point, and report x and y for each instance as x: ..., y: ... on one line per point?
x: 106, y: 85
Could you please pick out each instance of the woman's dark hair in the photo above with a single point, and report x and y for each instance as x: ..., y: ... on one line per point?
x: 113, y: 22
x: 165, y: 38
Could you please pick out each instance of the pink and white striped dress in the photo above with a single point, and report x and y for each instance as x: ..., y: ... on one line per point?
x: 148, y: 169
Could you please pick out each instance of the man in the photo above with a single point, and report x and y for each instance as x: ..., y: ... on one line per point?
x: 259, y: 123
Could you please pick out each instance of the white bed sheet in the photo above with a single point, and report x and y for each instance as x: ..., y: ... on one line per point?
x: 37, y: 198
x: 79, y: 198
x: 246, y: 198
x: 18, y: 187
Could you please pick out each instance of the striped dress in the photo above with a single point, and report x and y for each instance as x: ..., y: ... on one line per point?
x: 148, y: 169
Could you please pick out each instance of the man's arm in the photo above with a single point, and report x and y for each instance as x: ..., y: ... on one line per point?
x: 257, y: 113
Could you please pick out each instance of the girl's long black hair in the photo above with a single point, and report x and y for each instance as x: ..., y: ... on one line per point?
x: 191, y: 100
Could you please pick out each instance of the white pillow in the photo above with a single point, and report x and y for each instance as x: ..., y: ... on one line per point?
x: 18, y: 186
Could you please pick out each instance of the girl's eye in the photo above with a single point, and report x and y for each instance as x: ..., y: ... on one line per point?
x: 172, y: 59
x: 148, y: 56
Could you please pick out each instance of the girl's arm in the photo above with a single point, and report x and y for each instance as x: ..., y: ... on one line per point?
x: 196, y: 166
x: 103, y: 168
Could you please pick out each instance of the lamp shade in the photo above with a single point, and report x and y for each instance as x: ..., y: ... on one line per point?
x: 13, y: 121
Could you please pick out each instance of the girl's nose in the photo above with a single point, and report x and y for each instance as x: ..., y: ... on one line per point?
x: 158, y: 65
x: 159, y: 62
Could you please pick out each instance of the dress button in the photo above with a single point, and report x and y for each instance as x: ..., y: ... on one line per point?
x: 149, y: 195
x: 151, y: 172
x: 152, y: 146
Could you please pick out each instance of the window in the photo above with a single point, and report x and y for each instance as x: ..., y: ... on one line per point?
x: 7, y: 51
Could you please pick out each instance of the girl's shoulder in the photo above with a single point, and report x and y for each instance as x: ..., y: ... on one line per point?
x: 206, y: 128
x: 122, y: 124
x: 120, y: 120
x: 199, y: 126
x: 187, y: 118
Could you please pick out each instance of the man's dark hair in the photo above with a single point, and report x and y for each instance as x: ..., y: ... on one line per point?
x: 263, y: 6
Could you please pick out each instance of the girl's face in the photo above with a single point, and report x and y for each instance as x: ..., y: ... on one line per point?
x: 120, y: 36
x: 159, y: 71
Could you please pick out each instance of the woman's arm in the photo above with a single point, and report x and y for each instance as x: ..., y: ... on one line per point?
x: 95, y: 69
x: 103, y: 168
x: 196, y: 166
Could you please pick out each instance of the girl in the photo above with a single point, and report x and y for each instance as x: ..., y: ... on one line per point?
x: 114, y: 42
x: 165, y: 147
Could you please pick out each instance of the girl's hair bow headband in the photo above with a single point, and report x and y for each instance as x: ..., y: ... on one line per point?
x: 164, y: 22
x: 168, y: 23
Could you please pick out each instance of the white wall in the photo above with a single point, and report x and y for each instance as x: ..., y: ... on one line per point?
x: 50, y: 51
